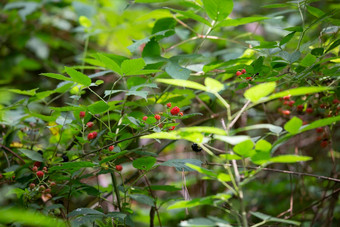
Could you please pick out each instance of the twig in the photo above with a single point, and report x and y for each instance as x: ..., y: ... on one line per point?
x: 12, y: 152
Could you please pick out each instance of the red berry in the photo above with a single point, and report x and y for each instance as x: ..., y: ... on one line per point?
x: 319, y: 130
x: 285, y: 112
x: 319, y: 138
x: 309, y: 110
x: 243, y: 71
x: 32, y: 185
x: 286, y: 103
x: 172, y: 128
x: 324, y: 143
x: 41, y: 188
x: 53, y: 184
x: 181, y: 113
x: 145, y: 118
x: 336, y: 101
x: 90, y: 136
x: 45, y: 169
x: 119, y: 167
x: 158, y: 117
x: 35, y: 169
x: 299, y: 107
x: 168, y: 104
x: 47, y: 190
x: 82, y: 114
x: 40, y: 174
x: 291, y: 103
x: 323, y: 106
x: 111, y: 148
x: 175, y: 110
x: 37, y: 164
x: 89, y: 124
x: 238, y: 73
x: 287, y: 97
x: 248, y: 78
x: 94, y: 134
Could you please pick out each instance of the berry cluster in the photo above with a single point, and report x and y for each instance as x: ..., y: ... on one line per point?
x: 167, y: 119
x: 243, y: 71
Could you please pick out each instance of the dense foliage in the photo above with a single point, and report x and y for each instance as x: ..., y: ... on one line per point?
x: 169, y: 113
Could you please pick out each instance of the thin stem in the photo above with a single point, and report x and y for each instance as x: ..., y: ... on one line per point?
x: 238, y: 115
x: 115, y: 190
x: 85, y: 52
x: 227, y: 106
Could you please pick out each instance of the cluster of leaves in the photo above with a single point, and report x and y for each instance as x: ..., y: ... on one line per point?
x: 61, y: 147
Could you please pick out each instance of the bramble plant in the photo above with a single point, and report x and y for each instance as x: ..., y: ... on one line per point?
x: 186, y: 110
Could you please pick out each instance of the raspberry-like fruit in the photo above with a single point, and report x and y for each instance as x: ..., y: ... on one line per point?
x: 145, y: 118
x: 35, y: 169
x: 319, y: 130
x: 238, y: 73
x: 287, y: 97
x: 291, y: 103
x: 157, y: 117
x: 94, y: 134
x: 40, y: 174
x: 32, y: 185
x: 175, y: 110
x: 172, y: 128
x: 90, y: 136
x: 168, y: 104
x: 285, y: 112
x: 37, y: 164
x: 82, y: 114
x: 243, y: 71
x: 324, y: 143
x: 53, y: 184
x: 89, y: 124
x: 181, y: 113
x: 119, y: 168
x: 309, y: 110
x: 111, y: 148
x: 299, y: 107
x: 248, y: 78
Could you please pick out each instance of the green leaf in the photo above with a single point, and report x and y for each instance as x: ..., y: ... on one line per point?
x: 273, y: 128
x: 71, y: 165
x: 162, y: 135
x: 183, y: 83
x: 129, y: 67
x: 98, y: 107
x: 315, y: 11
x: 308, y: 60
x: 192, y: 15
x: 317, y: 51
x: 298, y: 91
x: 289, y: 159
x: 204, y: 129
x: 257, y: 92
x: 213, y: 85
x: 144, y: 163
x: 192, y: 203
x: 333, y: 45
x: 33, y: 155
x: 294, y: 29
x: 320, y: 123
x: 180, y: 164
x: 218, y: 10
x: 143, y: 94
x: 56, y: 76
x: 176, y: 71
x: 293, y: 125
x: 112, y: 157
x: 268, y: 218
x: 84, y: 211
x: 109, y: 63
x: 263, y: 145
x: 28, y: 218
x: 233, y: 140
x: 202, y: 170
x: 287, y: 38
x: 144, y: 199
x: 85, y: 22
x: 78, y: 77
x: 22, y: 92
x: 244, y: 148
x: 168, y: 188
x: 240, y: 21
